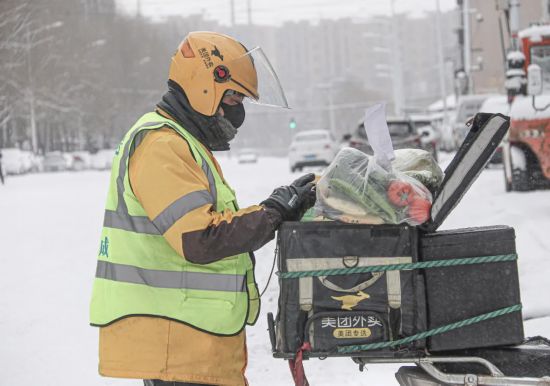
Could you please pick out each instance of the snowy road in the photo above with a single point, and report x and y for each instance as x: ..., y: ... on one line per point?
x: 49, y: 232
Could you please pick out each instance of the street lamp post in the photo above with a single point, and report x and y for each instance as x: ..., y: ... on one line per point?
x: 467, y: 45
x: 440, y: 62
x: 30, y: 93
x: 328, y: 87
x: 331, y: 112
x: 397, y: 81
x: 29, y: 44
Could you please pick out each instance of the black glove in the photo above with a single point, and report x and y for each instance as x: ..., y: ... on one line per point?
x: 294, y: 200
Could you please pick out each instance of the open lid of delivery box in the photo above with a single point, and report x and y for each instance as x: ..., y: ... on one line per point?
x: 486, y: 133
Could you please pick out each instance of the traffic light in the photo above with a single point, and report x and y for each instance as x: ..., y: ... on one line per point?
x: 292, y: 124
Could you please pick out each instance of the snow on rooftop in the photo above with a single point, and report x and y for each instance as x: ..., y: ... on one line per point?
x: 438, y: 105
x: 522, y: 108
x: 515, y: 55
x: 494, y: 105
x: 309, y: 132
x: 475, y: 97
x: 515, y: 72
x: 535, y: 33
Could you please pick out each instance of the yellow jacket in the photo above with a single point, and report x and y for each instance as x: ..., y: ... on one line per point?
x: 161, y: 170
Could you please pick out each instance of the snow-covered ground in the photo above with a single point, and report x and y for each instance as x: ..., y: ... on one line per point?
x: 49, y: 236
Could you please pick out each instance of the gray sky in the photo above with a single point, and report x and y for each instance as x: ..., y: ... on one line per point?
x: 275, y: 12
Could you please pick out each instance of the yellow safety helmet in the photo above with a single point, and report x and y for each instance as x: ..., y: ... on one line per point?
x: 207, y: 64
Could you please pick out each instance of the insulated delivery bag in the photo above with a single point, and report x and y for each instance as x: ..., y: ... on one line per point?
x: 396, y: 290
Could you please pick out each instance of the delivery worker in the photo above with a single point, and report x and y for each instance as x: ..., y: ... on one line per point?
x: 174, y: 285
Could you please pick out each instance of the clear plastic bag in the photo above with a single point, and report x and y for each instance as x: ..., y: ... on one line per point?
x: 356, y: 189
x: 420, y: 165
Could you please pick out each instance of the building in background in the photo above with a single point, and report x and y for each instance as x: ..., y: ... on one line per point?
x: 115, y: 68
x: 488, y: 48
x: 418, y: 43
x: 333, y: 69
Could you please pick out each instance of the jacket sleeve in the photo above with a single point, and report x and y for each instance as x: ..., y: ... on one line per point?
x: 174, y: 192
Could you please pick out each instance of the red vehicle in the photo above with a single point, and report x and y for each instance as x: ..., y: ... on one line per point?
x: 526, y: 154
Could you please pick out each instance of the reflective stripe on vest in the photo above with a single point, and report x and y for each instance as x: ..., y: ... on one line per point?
x: 180, y: 208
x: 161, y: 223
x: 121, y: 219
x: 170, y: 279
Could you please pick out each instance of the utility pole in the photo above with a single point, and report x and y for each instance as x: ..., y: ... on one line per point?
x: 232, y: 5
x: 397, y: 81
x: 5, y: 115
x: 328, y: 87
x: 30, y: 91
x: 249, y: 11
x: 138, y: 9
x: 440, y: 62
x: 514, y: 23
x: 331, y: 112
x: 467, y: 44
x: 30, y: 94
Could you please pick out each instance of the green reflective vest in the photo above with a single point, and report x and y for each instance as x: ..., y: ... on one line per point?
x: 139, y: 273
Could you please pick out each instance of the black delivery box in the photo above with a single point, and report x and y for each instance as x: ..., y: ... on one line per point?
x: 462, y: 292
x: 334, y: 312
x: 349, y: 309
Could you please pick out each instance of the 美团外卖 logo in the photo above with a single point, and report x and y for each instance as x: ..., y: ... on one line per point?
x: 362, y: 326
x: 350, y: 301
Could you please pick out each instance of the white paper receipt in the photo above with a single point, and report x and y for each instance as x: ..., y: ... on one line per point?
x: 378, y: 133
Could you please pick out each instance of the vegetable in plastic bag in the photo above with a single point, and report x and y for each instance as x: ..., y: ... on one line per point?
x: 420, y: 165
x: 355, y: 188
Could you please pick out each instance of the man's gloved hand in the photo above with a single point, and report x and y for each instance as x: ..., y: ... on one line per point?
x: 294, y: 200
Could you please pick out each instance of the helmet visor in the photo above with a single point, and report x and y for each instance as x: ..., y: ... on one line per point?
x: 257, y: 78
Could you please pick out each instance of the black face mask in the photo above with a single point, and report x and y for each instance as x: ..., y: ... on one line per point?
x: 234, y: 114
x: 214, y: 132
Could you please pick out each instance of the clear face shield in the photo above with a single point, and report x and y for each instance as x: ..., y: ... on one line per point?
x: 253, y: 76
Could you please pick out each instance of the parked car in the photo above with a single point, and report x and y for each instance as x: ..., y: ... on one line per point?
x: 36, y: 162
x: 54, y: 161
x: 80, y: 160
x: 14, y: 161
x: 103, y: 159
x: 467, y: 107
x: 311, y: 148
x: 440, y: 115
x: 429, y: 136
x: 247, y: 156
x: 404, y: 135
x: 28, y: 159
x: 494, y: 105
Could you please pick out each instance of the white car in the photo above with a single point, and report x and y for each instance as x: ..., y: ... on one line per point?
x: 55, y: 161
x: 80, y: 160
x: 14, y: 161
x: 497, y: 104
x: 29, y: 161
x: 429, y: 136
x: 103, y: 159
x: 311, y: 148
x: 247, y: 156
x: 468, y: 106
